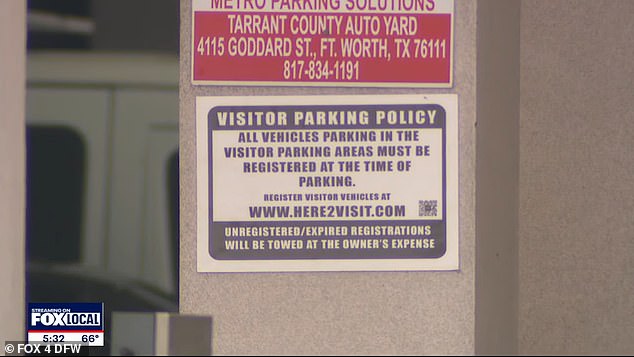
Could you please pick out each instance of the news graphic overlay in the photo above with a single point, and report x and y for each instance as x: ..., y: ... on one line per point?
x: 327, y: 183
x: 63, y: 323
x: 323, y: 42
x: 17, y: 348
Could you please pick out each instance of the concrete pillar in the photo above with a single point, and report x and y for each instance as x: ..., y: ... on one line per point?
x: 12, y: 168
x: 577, y: 134
x: 385, y: 312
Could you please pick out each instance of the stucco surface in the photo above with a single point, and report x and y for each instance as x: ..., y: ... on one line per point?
x: 576, y: 175
x: 335, y: 313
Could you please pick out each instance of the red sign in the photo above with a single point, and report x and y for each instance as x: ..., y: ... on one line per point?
x: 323, y: 42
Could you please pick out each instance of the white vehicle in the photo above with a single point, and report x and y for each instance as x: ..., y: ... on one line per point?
x: 102, y: 141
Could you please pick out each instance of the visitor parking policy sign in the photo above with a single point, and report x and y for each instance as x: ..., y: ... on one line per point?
x: 405, y: 43
x: 327, y: 183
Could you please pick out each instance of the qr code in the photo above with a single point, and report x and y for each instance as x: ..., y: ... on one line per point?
x: 428, y: 208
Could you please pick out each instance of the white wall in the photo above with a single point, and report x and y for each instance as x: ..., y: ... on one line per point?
x: 12, y: 172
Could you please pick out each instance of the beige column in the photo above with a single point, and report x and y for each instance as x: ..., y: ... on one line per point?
x: 12, y: 168
x: 384, y: 312
x: 576, y: 264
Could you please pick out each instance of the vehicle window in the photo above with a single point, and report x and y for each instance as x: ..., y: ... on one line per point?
x: 55, y: 185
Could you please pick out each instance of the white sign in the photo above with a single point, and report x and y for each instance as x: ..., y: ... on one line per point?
x: 327, y: 183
